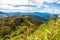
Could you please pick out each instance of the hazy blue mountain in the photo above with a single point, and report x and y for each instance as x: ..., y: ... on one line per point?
x: 42, y: 15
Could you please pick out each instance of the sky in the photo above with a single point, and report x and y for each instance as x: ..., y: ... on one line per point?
x: 50, y: 6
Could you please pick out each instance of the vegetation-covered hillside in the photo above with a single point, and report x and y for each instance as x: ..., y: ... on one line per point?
x: 25, y: 28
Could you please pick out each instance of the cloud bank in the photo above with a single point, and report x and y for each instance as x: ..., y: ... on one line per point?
x: 51, y: 6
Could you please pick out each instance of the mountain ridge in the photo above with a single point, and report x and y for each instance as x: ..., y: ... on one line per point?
x: 45, y: 14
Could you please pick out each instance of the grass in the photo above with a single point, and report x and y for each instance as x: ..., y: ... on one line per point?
x: 46, y: 31
x: 43, y: 32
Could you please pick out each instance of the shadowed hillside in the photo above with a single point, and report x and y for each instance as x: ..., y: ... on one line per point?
x: 12, y: 23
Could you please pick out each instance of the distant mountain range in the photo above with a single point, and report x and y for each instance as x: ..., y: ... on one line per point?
x: 43, y: 15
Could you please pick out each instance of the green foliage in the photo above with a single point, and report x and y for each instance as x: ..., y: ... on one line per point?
x: 47, y: 32
x: 22, y: 28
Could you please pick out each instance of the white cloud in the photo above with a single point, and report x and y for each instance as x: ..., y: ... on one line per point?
x: 51, y: 1
x: 5, y: 6
x: 46, y: 6
x: 14, y: 2
x: 58, y: 2
x: 38, y: 3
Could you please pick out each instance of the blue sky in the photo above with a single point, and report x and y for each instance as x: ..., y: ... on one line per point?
x: 50, y: 6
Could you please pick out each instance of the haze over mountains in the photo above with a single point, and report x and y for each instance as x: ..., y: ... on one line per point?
x: 44, y: 14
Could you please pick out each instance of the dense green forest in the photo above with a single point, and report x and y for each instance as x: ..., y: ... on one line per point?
x: 24, y: 28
